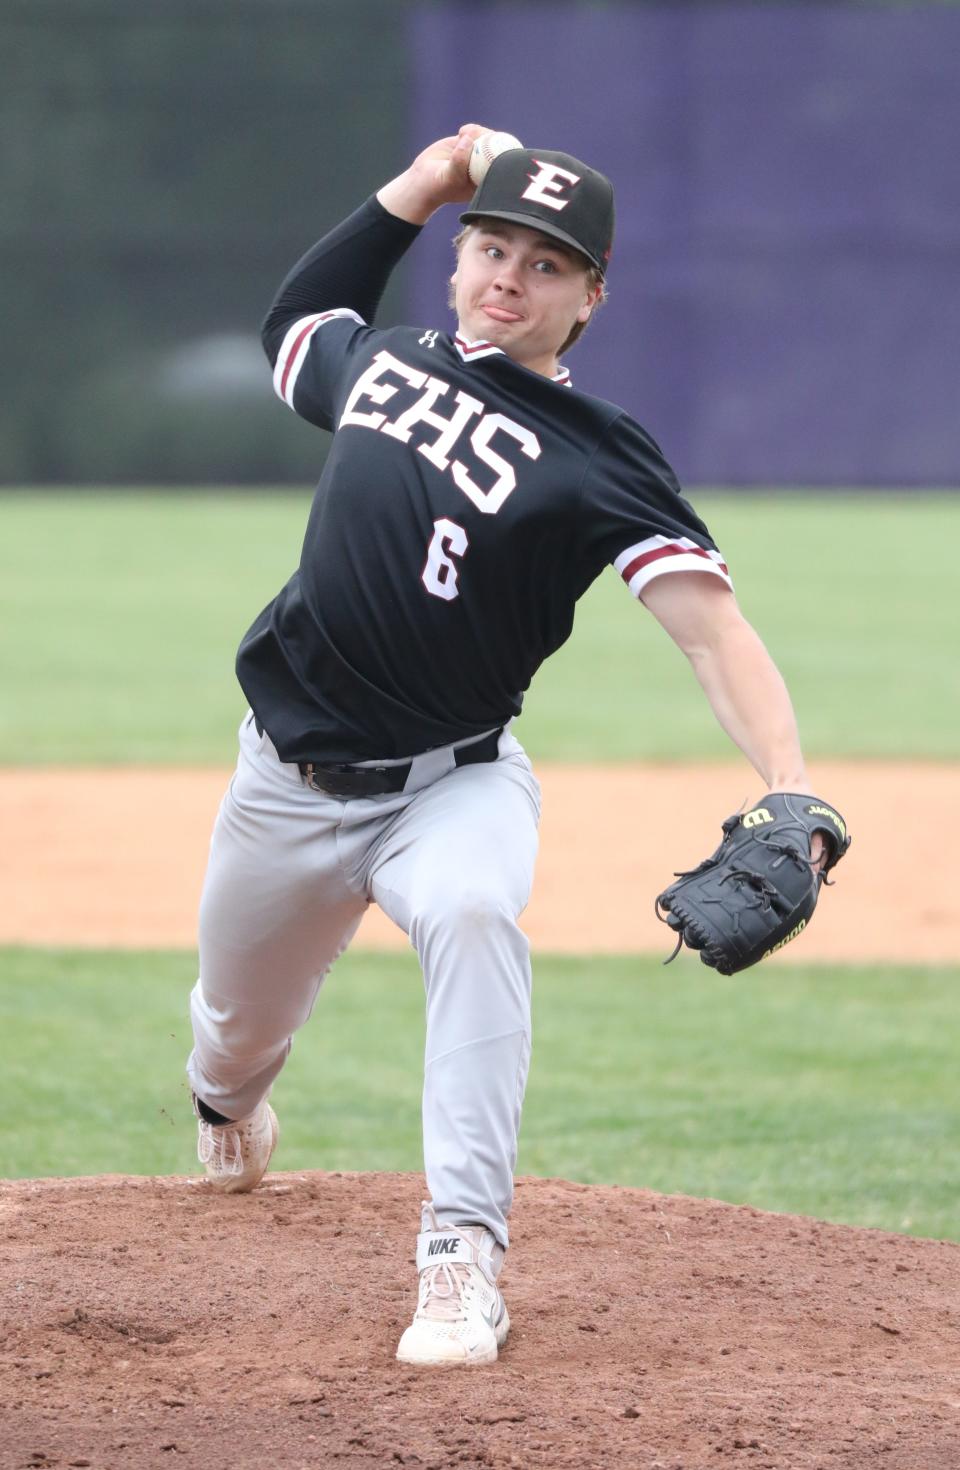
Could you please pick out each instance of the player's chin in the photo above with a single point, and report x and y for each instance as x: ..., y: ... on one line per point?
x: 498, y: 332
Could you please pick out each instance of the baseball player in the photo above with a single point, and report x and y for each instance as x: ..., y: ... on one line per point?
x: 470, y: 497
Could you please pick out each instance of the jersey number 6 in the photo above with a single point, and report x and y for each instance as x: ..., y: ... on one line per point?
x: 439, y: 575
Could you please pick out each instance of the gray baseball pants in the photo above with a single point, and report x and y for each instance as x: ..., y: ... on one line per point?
x: 450, y: 859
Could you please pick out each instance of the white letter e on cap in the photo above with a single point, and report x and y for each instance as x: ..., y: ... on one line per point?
x: 548, y: 183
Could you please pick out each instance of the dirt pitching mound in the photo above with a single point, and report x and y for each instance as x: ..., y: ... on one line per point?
x: 150, y: 1322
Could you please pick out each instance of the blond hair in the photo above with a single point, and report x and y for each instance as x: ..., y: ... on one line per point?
x: 593, y: 276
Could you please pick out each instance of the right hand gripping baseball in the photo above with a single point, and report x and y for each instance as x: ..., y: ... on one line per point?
x: 437, y: 176
x: 758, y: 891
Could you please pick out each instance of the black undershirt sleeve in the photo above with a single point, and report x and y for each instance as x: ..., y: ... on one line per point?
x: 350, y: 266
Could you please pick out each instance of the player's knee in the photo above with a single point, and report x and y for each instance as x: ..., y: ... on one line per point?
x: 466, y: 911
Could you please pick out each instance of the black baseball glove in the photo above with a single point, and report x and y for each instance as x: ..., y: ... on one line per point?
x: 760, y: 888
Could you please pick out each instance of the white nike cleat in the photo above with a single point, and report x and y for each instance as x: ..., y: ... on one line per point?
x: 461, y: 1317
x: 236, y: 1155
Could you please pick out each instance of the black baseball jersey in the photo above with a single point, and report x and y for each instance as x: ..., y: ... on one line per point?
x: 466, y: 504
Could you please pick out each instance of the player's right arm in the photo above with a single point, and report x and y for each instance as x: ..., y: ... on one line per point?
x: 323, y: 309
x: 349, y: 268
x: 332, y: 293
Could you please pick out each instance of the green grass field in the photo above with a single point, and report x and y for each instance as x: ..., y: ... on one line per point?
x: 120, y: 616
x: 829, y: 1093
x: 826, y: 1091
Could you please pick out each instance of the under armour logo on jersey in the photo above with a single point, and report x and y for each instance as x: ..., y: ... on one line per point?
x: 430, y: 338
x: 548, y: 184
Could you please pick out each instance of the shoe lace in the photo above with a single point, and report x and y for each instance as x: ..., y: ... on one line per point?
x: 220, y: 1146
x: 441, y: 1291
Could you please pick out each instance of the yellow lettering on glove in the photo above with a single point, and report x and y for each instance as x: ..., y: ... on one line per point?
x: 824, y: 811
x: 779, y: 945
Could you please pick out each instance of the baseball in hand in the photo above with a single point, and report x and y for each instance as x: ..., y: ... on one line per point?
x: 486, y: 149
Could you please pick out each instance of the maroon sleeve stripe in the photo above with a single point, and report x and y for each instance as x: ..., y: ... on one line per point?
x: 292, y: 354
x: 672, y: 549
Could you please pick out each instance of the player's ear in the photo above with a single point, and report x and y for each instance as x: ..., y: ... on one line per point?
x: 593, y: 296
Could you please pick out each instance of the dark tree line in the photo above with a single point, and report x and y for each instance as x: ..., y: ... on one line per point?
x: 162, y: 168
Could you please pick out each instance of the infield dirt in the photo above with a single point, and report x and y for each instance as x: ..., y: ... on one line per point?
x: 116, y: 857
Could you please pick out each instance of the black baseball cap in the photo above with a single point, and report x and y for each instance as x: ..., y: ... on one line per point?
x: 553, y: 193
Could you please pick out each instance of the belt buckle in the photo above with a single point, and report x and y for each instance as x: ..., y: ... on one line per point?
x: 336, y: 784
x: 344, y: 782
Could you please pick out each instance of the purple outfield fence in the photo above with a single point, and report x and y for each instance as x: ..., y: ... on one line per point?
x: 785, y: 283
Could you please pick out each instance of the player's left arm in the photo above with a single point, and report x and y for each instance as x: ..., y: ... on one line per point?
x: 743, y: 685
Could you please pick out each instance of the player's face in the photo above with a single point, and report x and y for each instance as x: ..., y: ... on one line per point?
x: 521, y: 291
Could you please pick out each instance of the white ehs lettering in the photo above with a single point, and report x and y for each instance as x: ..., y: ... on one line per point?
x: 439, y: 575
x: 450, y: 431
x: 490, y: 501
x: 421, y: 412
x: 367, y: 386
x: 548, y: 184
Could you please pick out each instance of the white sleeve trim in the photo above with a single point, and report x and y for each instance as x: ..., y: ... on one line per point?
x: 296, y: 345
x: 656, y: 555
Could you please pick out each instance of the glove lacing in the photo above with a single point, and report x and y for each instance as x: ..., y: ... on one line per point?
x: 765, y: 892
x: 764, y: 889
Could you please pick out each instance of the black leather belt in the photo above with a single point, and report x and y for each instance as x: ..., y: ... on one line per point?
x: 346, y: 780
x: 350, y: 780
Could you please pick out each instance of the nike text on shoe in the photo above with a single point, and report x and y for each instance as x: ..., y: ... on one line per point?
x: 236, y: 1155
x: 461, y: 1318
